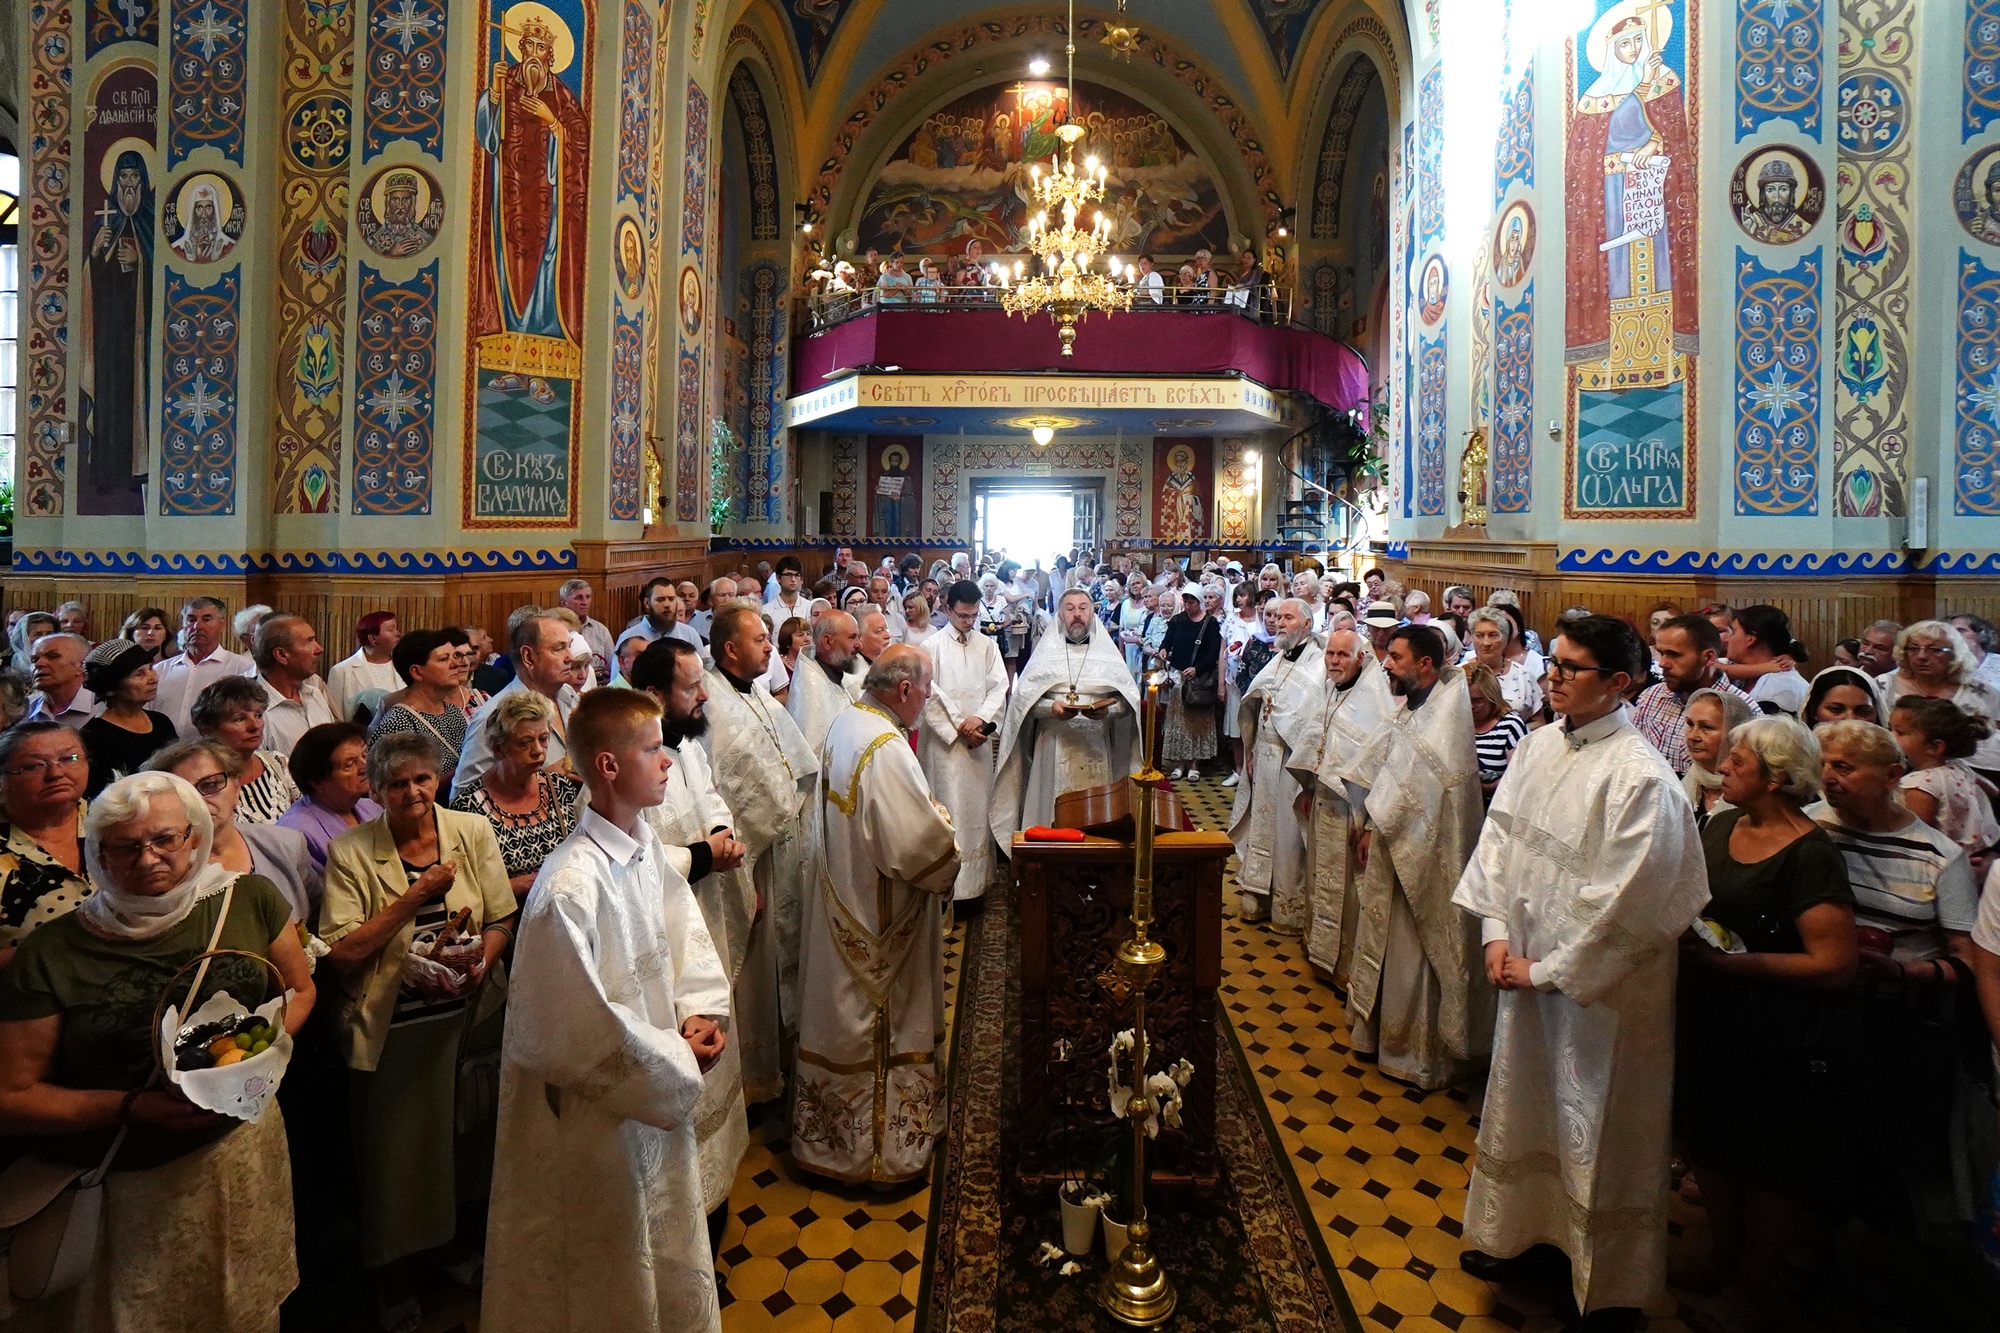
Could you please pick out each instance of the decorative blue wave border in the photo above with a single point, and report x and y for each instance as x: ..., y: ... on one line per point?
x: 1789, y: 564
x: 291, y: 562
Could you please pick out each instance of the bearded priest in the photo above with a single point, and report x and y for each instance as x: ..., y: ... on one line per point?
x: 765, y: 772
x: 1321, y: 748
x: 955, y: 745
x: 1417, y: 997
x: 1270, y: 843
x: 869, y: 1098
x: 827, y: 680
x: 1070, y: 724
x: 618, y: 1000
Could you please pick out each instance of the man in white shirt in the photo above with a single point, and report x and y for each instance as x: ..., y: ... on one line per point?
x: 789, y: 603
x: 370, y: 668
x: 287, y: 656
x: 59, y: 693
x: 955, y: 744
x: 577, y: 596
x: 201, y: 662
x: 540, y: 644
x: 720, y: 593
x: 1149, y: 284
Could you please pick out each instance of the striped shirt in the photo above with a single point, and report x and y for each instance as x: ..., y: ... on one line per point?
x: 1496, y: 747
x: 1914, y: 883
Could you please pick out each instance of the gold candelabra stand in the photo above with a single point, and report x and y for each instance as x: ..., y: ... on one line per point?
x: 1137, y: 1290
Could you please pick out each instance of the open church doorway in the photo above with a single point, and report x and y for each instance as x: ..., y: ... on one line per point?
x: 1033, y: 522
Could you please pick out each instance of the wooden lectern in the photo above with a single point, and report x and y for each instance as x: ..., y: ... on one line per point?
x: 1075, y: 900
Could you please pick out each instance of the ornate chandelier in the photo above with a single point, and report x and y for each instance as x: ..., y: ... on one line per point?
x: 1068, y: 290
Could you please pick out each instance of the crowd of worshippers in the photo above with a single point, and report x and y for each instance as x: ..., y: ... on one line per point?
x: 1708, y: 924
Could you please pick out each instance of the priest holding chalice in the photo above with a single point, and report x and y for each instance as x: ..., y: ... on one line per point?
x: 1070, y: 723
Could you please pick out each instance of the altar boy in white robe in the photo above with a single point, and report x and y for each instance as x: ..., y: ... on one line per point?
x: 766, y: 773
x: 1417, y: 997
x: 955, y: 745
x: 1070, y: 724
x: 1270, y: 842
x: 618, y: 997
x: 1321, y: 748
x: 1588, y: 870
x: 869, y: 1096
x: 694, y: 827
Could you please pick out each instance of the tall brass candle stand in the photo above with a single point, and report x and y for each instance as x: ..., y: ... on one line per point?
x: 1137, y: 1290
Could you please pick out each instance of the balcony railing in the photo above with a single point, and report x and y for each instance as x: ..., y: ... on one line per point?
x: 1264, y: 302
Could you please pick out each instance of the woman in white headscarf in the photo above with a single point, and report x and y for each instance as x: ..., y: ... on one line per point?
x: 198, y: 1210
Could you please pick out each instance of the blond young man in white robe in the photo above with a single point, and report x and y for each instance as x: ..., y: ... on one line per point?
x: 869, y: 1095
x: 1417, y: 998
x: 1070, y: 723
x: 955, y: 743
x: 766, y: 773
x: 619, y: 997
x: 1322, y: 748
x: 694, y: 826
x: 1270, y: 842
x: 1588, y: 871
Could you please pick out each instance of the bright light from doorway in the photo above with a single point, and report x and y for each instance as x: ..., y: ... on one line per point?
x: 1030, y: 526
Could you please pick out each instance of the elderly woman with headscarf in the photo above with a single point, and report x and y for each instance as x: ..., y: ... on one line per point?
x: 1707, y: 720
x: 127, y: 733
x: 277, y: 853
x: 197, y: 1217
x: 1933, y: 659
x: 1844, y: 694
x: 22, y: 638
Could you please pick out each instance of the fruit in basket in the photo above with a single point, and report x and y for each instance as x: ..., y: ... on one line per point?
x: 231, y: 1057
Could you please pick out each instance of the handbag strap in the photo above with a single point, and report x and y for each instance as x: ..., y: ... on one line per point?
x: 96, y: 1177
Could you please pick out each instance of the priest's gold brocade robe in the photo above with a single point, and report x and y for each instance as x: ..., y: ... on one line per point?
x: 1270, y: 844
x: 1417, y: 995
x: 765, y: 772
x: 691, y: 811
x: 1321, y: 749
x: 597, y: 1218
x: 868, y: 1094
x: 1590, y: 865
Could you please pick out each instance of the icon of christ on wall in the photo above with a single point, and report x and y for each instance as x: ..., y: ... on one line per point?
x: 536, y: 135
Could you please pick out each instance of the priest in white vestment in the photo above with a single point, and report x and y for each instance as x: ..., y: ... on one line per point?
x: 1587, y: 872
x: 1418, y: 998
x: 1070, y: 724
x: 1321, y: 749
x: 766, y: 773
x: 1270, y: 841
x: 869, y: 1098
x: 617, y: 997
x: 695, y: 828
x: 827, y: 678
x: 955, y: 744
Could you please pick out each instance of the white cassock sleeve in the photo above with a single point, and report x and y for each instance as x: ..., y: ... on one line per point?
x: 701, y: 983
x: 577, y: 1038
x: 909, y: 835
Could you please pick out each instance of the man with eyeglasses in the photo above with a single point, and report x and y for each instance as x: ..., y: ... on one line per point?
x: 1586, y: 874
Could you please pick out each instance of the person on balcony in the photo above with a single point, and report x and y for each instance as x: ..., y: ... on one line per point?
x: 895, y: 287
x: 1149, y: 284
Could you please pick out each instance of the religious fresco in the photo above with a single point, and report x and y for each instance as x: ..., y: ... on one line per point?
x: 115, y: 329
x: 1236, y: 496
x: 1872, y: 274
x: 532, y: 165
x: 199, y: 400
x: 1330, y: 179
x: 111, y: 21
x: 635, y: 100
x: 963, y: 175
x: 1430, y: 448
x: 1433, y: 289
x: 45, y: 246
x: 203, y: 218
x: 628, y: 254
x: 399, y: 212
x: 813, y: 23
x: 395, y: 392
x: 1183, y: 490
x: 311, y: 299
x: 1514, y: 244
x: 1975, y: 196
x: 763, y: 494
x: 1430, y: 157
x: 1514, y: 152
x: 406, y: 45
x: 846, y: 468
x: 1631, y: 213
x: 895, y: 486
x: 1976, y: 437
x: 1777, y: 385
x: 758, y: 155
x: 690, y: 420
x: 1514, y: 405
x: 1777, y: 195
x: 207, y: 60
x: 1780, y: 63
x: 1284, y: 23
x: 628, y: 349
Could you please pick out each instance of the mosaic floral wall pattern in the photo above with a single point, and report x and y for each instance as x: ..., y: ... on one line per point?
x: 198, y: 438
x: 628, y: 358
x: 206, y: 60
x: 635, y: 99
x: 1872, y: 272
x: 1780, y: 63
x: 1430, y: 427
x: 1777, y: 385
x: 406, y: 44
x: 395, y: 392
x: 690, y: 424
x: 1982, y: 67
x: 1976, y: 438
x: 1514, y: 405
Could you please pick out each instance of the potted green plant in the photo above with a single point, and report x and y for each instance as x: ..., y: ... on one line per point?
x: 6, y: 524
x: 721, y: 444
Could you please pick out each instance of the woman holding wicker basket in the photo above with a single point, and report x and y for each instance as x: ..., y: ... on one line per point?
x: 196, y: 1220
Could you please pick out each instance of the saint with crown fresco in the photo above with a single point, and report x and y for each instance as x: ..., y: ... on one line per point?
x: 1629, y: 173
